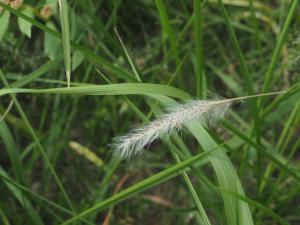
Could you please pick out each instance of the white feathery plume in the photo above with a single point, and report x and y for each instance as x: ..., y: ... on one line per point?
x: 203, y: 111
x: 206, y: 112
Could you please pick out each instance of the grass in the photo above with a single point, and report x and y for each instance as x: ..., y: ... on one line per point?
x: 64, y: 21
x: 128, y: 60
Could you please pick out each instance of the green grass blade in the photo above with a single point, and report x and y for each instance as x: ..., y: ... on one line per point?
x: 172, y: 147
x: 128, y: 57
x: 167, y: 28
x: 237, y: 49
x: 185, y: 176
x: 12, y: 150
x: 141, y: 186
x: 256, y: 28
x: 199, y: 58
x: 35, y: 74
x: 109, y: 89
x: 38, y: 197
x: 226, y: 174
x: 258, y: 205
x: 86, y: 52
x: 278, y: 48
x: 190, y: 186
x: 276, y: 158
x: 4, y: 22
x: 237, y: 212
x: 280, y: 99
x: 22, y: 199
x: 38, y: 143
x: 64, y: 21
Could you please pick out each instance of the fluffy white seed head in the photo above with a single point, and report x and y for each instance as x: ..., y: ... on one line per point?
x: 206, y: 112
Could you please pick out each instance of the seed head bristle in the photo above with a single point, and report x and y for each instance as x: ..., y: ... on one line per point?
x: 207, y: 112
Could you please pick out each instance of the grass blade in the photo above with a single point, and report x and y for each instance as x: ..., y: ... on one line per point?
x: 237, y: 49
x: 141, y: 186
x: 199, y: 59
x: 64, y: 21
x: 109, y: 89
x: 38, y: 143
x: 278, y: 48
x: 167, y: 28
x: 86, y: 52
x: 22, y: 199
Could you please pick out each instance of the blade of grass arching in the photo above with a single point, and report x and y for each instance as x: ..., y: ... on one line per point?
x: 35, y: 74
x: 108, y: 89
x: 165, y: 22
x: 237, y: 212
x: 38, y: 144
x: 277, y: 51
x: 199, y: 58
x: 34, y: 216
x: 86, y: 52
x: 64, y: 22
x: 263, y: 208
x: 141, y: 186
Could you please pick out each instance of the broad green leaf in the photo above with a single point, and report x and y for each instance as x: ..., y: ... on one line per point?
x: 51, y: 44
x: 25, y: 26
x: 227, y: 178
x: 64, y: 22
x: 4, y: 22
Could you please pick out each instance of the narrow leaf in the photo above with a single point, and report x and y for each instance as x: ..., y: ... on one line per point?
x: 64, y: 21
